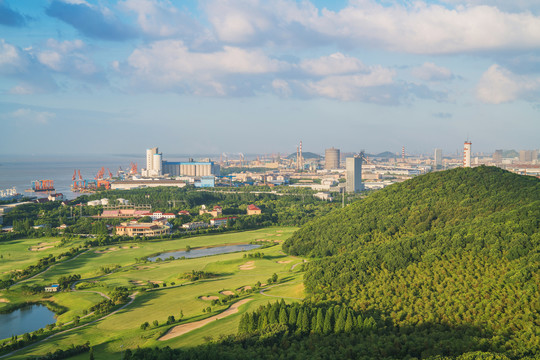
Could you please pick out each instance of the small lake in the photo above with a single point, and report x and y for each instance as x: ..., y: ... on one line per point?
x: 25, y: 320
x: 205, y: 252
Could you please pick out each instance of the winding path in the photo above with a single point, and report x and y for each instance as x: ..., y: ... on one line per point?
x: 185, y: 328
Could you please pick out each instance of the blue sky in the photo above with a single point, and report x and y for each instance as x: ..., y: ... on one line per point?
x: 254, y: 76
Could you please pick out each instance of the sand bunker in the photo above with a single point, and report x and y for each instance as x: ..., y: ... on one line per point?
x: 244, y: 288
x: 185, y: 328
x: 209, y: 298
x: 156, y: 282
x: 40, y: 248
x: 284, y: 261
x: 144, y: 267
x: 226, y: 292
x: 250, y: 265
x: 2, y: 300
x: 137, y: 282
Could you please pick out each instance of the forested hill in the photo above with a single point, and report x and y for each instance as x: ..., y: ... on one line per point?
x: 443, y: 266
x: 483, y: 208
x: 452, y: 256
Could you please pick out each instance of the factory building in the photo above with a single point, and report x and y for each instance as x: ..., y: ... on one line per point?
x: 156, y: 167
x: 467, y: 154
x: 354, y: 174
x: 331, y: 159
x: 190, y: 168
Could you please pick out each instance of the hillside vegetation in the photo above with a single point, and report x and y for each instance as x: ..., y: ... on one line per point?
x: 443, y: 266
x: 458, y: 249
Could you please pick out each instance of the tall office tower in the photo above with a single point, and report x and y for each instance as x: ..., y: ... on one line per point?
x: 354, y: 173
x: 498, y: 156
x: 438, y: 158
x: 150, y: 158
x: 467, y: 154
x: 331, y: 159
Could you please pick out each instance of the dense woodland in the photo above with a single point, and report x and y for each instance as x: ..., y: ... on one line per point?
x: 443, y: 266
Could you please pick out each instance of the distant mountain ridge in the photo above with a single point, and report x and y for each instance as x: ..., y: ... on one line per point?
x: 306, y: 155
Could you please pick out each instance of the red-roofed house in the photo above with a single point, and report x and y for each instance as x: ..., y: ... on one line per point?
x: 184, y: 212
x: 253, y: 210
x: 216, y: 211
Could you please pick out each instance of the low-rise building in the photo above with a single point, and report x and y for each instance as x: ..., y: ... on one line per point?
x: 194, y: 225
x: 253, y: 210
x: 184, y: 212
x: 159, y: 215
x: 56, y: 197
x: 52, y: 288
x: 141, y: 229
x: 323, y: 196
x: 221, y: 221
x: 215, y: 212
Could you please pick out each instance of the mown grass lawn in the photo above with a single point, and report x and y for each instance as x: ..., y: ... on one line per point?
x: 232, y: 271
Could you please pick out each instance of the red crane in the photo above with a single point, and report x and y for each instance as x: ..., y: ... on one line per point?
x: 110, y: 174
x: 74, y: 175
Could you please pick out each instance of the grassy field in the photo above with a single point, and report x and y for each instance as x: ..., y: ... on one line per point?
x: 114, y: 334
x: 19, y: 254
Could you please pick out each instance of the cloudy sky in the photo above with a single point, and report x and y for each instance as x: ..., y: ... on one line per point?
x: 256, y: 76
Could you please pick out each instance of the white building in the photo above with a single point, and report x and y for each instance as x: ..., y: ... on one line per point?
x: 467, y: 154
x: 194, y: 225
x: 160, y: 215
x: 354, y: 174
x: 153, y: 163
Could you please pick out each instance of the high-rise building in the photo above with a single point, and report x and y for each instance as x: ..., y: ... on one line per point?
x: 331, y: 159
x: 153, y: 163
x: 528, y: 155
x: 498, y: 156
x: 438, y: 158
x: 467, y: 154
x: 150, y: 158
x: 354, y: 173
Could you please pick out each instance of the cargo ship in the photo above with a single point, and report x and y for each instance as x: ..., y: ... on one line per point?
x: 42, y: 186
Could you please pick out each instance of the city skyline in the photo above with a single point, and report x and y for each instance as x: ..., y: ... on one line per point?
x: 91, y: 77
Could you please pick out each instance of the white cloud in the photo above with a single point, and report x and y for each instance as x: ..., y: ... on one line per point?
x: 432, y: 29
x: 12, y: 59
x: 281, y: 87
x: 39, y: 117
x: 257, y: 22
x: 431, y: 72
x: 353, y: 87
x: 169, y: 64
x: 499, y: 85
x: 68, y: 57
x: 418, y: 27
x: 334, y: 64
